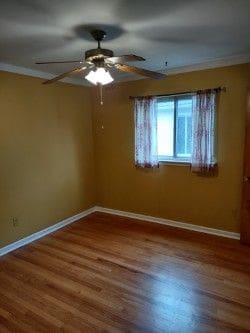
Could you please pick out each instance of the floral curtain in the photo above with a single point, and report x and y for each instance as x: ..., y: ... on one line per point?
x: 204, y: 116
x: 145, y: 111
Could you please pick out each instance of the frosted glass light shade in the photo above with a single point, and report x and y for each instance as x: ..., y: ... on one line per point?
x: 100, y: 75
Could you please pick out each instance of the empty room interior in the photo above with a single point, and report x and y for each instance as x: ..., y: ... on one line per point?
x: 125, y: 166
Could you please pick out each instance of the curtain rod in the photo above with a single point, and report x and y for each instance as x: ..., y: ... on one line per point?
x: 217, y: 89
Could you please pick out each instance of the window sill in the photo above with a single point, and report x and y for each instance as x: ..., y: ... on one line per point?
x: 175, y: 163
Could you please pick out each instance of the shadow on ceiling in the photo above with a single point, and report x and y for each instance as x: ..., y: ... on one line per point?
x: 83, y: 31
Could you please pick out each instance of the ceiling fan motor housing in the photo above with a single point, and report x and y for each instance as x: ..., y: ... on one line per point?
x: 98, y: 54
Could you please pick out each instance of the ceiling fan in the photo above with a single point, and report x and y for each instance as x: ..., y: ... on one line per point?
x: 98, y: 61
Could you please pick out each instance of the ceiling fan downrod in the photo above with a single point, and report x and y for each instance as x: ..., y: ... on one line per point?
x: 98, y: 35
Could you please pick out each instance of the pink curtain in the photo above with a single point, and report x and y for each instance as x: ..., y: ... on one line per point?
x: 145, y: 111
x: 204, y: 116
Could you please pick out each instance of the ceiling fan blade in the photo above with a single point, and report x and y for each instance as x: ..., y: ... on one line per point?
x: 59, y: 77
x: 58, y: 62
x: 140, y: 71
x: 125, y: 58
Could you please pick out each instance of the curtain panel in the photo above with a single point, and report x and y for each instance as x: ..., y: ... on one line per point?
x: 203, y: 158
x: 145, y: 115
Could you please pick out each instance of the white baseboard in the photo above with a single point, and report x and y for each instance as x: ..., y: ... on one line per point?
x: 26, y: 240
x: 171, y: 223
x: 46, y: 231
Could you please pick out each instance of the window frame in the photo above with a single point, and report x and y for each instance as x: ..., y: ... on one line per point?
x: 174, y: 159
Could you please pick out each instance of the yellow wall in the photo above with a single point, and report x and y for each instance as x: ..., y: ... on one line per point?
x: 172, y: 191
x: 46, y: 154
x: 49, y: 165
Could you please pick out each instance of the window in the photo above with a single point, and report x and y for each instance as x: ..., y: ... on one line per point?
x: 180, y: 128
x: 174, y: 128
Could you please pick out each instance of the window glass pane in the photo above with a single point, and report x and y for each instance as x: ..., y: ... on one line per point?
x: 165, y: 127
x: 183, y: 127
x: 180, y: 137
x: 189, y: 135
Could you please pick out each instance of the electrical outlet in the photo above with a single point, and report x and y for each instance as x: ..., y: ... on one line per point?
x: 15, y: 221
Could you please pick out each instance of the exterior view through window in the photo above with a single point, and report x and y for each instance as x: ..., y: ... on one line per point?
x: 174, y: 128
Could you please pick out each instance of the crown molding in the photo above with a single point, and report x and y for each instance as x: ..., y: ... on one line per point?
x: 35, y: 73
x: 209, y: 64
x: 213, y: 63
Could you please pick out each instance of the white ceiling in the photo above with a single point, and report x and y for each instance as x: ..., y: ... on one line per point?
x: 181, y: 32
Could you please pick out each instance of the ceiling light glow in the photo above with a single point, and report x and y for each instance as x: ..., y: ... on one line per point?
x: 100, y: 75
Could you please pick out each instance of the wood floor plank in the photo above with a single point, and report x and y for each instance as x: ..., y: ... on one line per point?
x: 113, y: 274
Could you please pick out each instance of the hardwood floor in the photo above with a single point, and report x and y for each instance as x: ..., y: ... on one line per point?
x: 112, y: 274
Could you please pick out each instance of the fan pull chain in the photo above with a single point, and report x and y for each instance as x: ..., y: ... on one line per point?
x: 101, y: 94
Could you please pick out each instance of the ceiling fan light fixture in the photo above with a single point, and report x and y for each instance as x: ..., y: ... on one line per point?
x: 101, y: 60
x: 100, y: 75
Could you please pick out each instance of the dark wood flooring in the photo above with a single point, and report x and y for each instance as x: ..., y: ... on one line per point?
x: 112, y: 274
